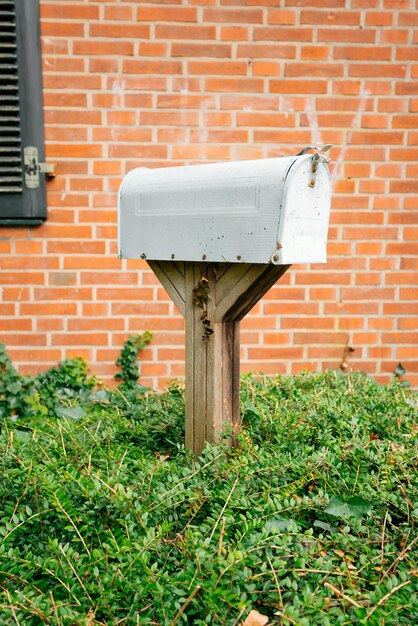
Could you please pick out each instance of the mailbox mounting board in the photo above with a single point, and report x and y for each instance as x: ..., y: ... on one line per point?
x: 263, y: 211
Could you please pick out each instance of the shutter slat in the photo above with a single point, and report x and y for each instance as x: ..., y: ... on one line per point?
x: 11, y: 174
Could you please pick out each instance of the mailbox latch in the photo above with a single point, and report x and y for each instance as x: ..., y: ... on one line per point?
x: 318, y: 156
x: 33, y: 168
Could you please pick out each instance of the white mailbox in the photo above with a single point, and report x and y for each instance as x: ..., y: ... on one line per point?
x: 264, y: 211
x: 218, y: 237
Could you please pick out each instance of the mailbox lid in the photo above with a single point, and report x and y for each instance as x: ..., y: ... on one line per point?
x: 216, y: 212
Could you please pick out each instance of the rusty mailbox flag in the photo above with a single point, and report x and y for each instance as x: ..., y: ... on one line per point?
x: 218, y: 236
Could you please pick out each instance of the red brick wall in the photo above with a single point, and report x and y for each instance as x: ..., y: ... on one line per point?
x: 132, y: 83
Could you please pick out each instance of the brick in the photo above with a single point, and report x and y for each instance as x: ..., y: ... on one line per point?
x: 234, y: 85
x: 401, y: 278
x: 300, y: 137
x: 137, y: 151
x: 274, y: 368
x: 111, y: 48
x: 234, y: 33
x: 252, y: 102
x: 70, y: 11
x: 217, y: 119
x: 234, y: 16
x: 292, y: 323
x: 62, y: 293
x: 52, y: 45
x: 93, y: 324
x: 145, y: 66
x: 407, y: 88
x: 352, y: 35
x: 73, y: 116
x: 282, y: 34
x: 15, y: 324
x: 118, y: 12
x: 75, y: 150
x: 62, y: 29
x: 19, y: 278
x: 233, y: 68
x: 60, y: 64
x: 353, y: 308
x: 141, y: 309
x: 308, y: 337
x: 337, y: 18
x: 265, y: 119
x: 201, y: 50
x: 275, y: 353
x: 391, y: 70
x: 363, y: 53
x: 391, y: 104
x: 326, y: 103
x: 379, y: 18
x: 59, y: 133
x: 79, y: 339
x: 153, y: 49
x: 275, y: 338
x: 408, y: 19
x: 46, y: 309
x: 405, y: 121
x: 192, y: 31
x: 404, y: 186
x: 35, y: 355
x: 298, y: 86
x: 409, y: 323
x: 315, y: 53
x: 320, y: 4
x: 266, y: 51
x: 116, y: 31
x: 379, y: 87
x: 371, y: 137
x: 199, y: 152
x: 71, y: 81
x: 167, y: 14
x: 170, y: 118
x: 281, y: 16
x: 409, y: 54
x: 370, y: 233
x: 14, y: 293
x: 218, y: 136
x: 366, y: 293
x: 330, y: 70
x: 346, y: 87
x: 65, y: 100
x: 47, y: 324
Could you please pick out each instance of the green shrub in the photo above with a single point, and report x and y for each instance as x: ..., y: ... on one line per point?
x: 106, y: 519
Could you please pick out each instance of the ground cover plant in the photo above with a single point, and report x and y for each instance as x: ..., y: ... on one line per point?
x: 106, y: 519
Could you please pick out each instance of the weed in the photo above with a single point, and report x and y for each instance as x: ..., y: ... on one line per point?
x: 106, y: 519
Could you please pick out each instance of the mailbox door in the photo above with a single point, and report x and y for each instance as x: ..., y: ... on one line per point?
x: 303, y: 227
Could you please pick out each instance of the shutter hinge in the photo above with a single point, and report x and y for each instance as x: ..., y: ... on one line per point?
x: 33, y: 167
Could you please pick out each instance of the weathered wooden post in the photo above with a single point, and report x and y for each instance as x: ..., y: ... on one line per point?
x: 218, y: 236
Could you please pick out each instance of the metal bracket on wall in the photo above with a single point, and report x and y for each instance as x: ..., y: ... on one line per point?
x: 33, y: 167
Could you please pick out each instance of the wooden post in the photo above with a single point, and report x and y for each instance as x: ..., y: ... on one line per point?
x: 213, y: 298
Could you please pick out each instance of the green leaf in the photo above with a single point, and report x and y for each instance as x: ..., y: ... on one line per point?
x: 71, y: 412
x: 318, y: 524
x: 353, y: 507
x: 277, y: 525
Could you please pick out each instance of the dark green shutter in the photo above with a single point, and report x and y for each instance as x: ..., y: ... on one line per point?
x: 22, y: 186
